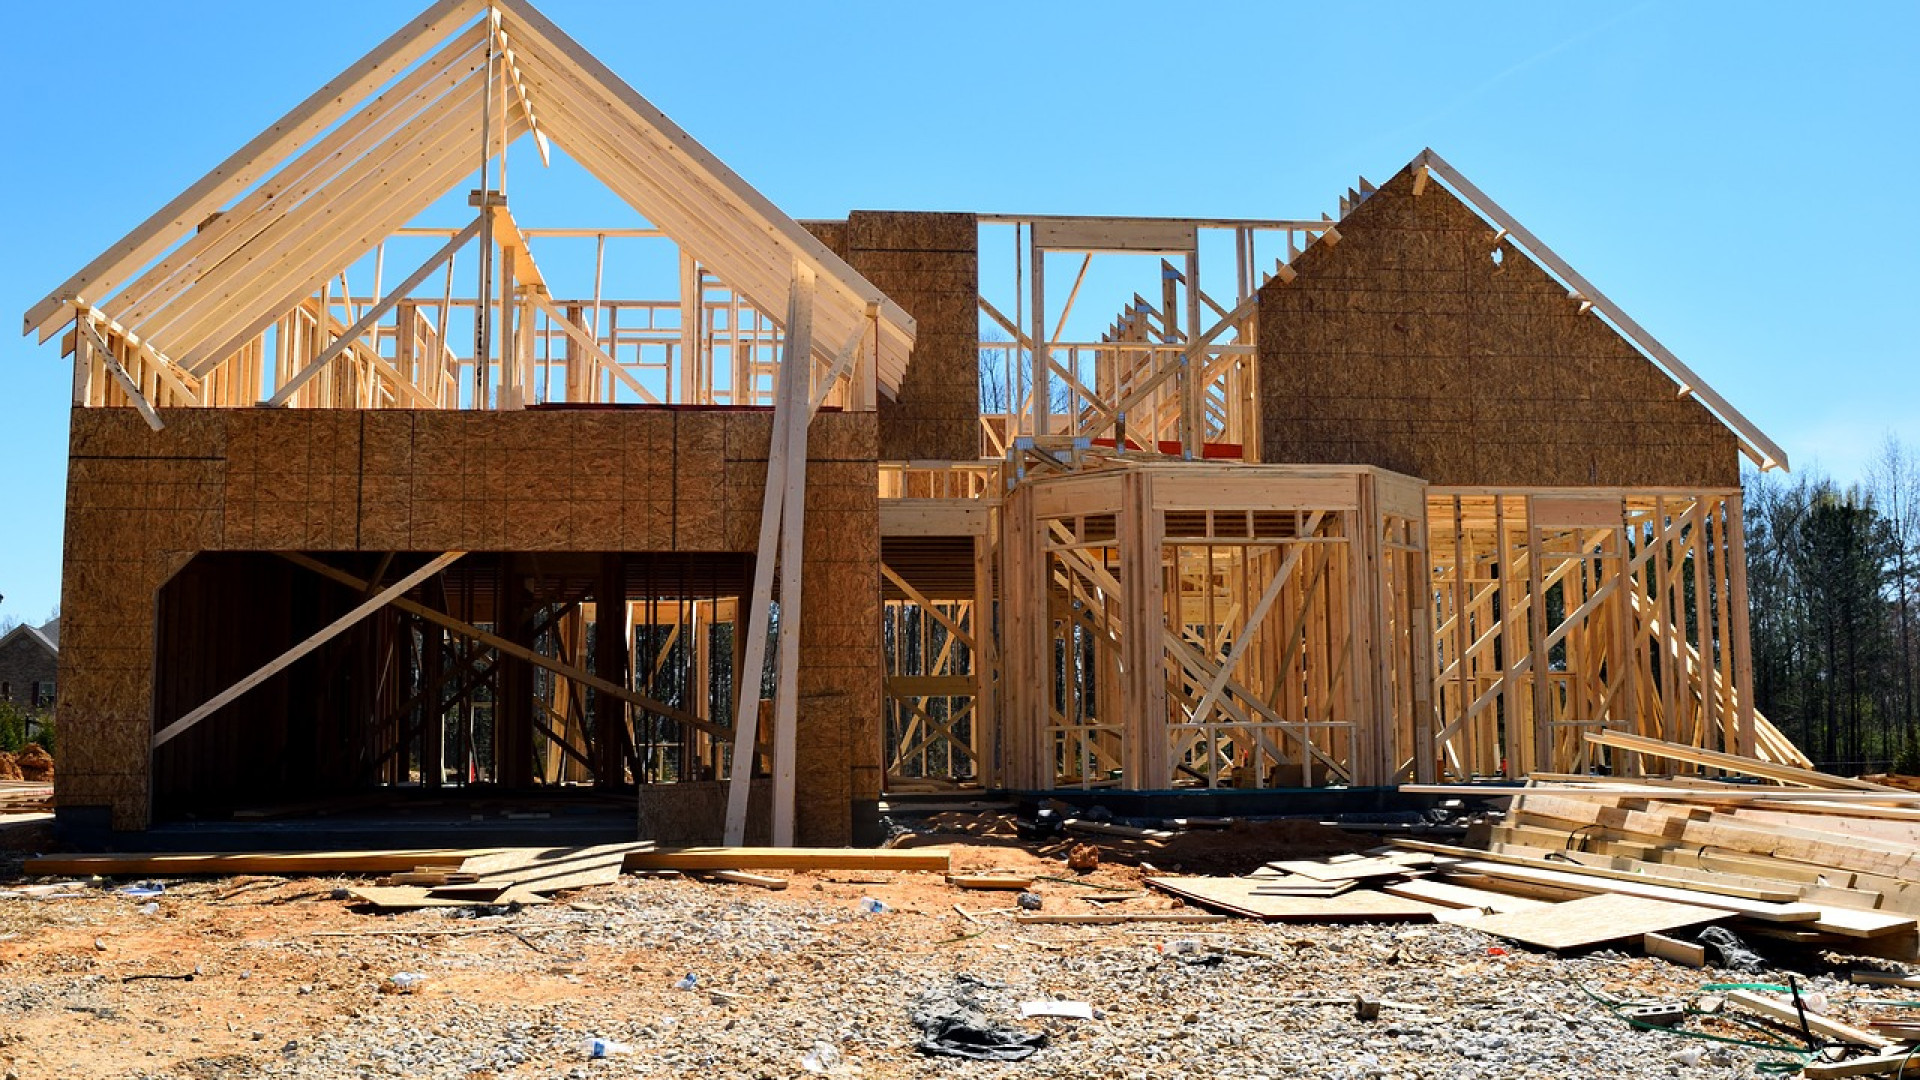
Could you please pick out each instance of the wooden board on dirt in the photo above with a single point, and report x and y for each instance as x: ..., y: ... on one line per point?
x: 774, y: 858
x: 1351, y: 868
x: 1449, y: 894
x: 410, y: 897
x: 1238, y: 896
x: 550, y: 871
x: 1594, y: 920
x: 216, y: 864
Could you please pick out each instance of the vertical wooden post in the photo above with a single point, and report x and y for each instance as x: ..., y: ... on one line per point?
x: 796, y: 388
x: 691, y: 389
x: 1543, y: 711
x: 1143, y: 704
x: 781, y: 520
x: 1193, y: 413
x: 610, y: 663
x: 433, y: 720
x: 1042, y: 376
x: 511, y: 394
x: 513, y: 709
x: 986, y: 719
x: 82, y: 360
x: 1741, y: 643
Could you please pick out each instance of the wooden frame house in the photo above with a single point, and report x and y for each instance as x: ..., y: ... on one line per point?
x: 359, y: 502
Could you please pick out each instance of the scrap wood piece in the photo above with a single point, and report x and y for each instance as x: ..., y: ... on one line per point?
x: 1898, y: 1063
x: 1592, y: 920
x: 409, y: 897
x: 1240, y: 896
x: 1881, y: 978
x: 795, y: 858
x: 1785, y: 1012
x: 1673, y: 950
x: 1352, y: 868
x: 1753, y: 909
x: 1714, y: 759
x: 1015, y: 882
x: 430, y: 878
x: 1301, y: 886
x: 548, y: 871
x: 1862, y: 924
x: 1783, y: 895
x: 1449, y: 894
x: 215, y: 864
x: 1105, y: 828
x: 1095, y: 918
x: 742, y: 877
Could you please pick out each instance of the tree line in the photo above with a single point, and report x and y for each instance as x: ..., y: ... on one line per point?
x: 1833, y: 579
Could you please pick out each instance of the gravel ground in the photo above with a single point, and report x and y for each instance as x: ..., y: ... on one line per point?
x: 294, y: 982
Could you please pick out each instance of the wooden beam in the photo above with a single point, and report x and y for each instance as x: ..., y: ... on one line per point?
x: 785, y: 488
x: 1713, y: 759
x: 794, y: 386
x: 1254, y: 619
x: 331, y: 631
x: 374, y: 314
x: 246, y: 165
x: 512, y: 649
x: 789, y: 858
x: 120, y: 375
x: 582, y: 338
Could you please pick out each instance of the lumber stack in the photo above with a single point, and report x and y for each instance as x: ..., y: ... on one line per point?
x: 25, y: 797
x: 1817, y: 860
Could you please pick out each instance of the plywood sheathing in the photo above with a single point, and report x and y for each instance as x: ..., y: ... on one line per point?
x: 142, y: 503
x: 1406, y: 345
x: 928, y: 263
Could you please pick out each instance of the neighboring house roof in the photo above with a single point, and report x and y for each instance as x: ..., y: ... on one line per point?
x: 385, y: 153
x: 30, y: 633
x: 51, y: 630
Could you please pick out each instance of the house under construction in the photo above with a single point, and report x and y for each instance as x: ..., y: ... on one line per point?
x: 382, y: 484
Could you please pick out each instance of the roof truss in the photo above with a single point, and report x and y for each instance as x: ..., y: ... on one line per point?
x: 373, y: 159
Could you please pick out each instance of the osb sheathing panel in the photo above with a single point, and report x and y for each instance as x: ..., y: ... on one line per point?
x: 141, y: 503
x: 928, y: 263
x: 1405, y: 345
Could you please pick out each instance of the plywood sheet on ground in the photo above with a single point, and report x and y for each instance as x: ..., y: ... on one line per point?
x: 1448, y: 894
x: 773, y: 858
x: 547, y: 871
x: 1350, y: 869
x: 1239, y: 896
x: 1593, y: 920
x: 227, y: 865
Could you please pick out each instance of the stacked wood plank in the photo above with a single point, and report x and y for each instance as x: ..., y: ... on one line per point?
x: 25, y: 797
x: 1817, y: 860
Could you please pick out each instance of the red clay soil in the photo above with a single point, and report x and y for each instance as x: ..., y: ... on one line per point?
x: 35, y: 764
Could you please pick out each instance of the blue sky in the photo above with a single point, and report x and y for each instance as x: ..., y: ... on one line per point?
x: 1735, y: 176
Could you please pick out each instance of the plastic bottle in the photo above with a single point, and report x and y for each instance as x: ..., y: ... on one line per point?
x: 687, y: 983
x: 605, y: 1048
x: 870, y: 906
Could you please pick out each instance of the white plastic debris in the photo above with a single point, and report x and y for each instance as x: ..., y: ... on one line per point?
x: 1071, y: 1010
x: 822, y: 1059
x: 605, y: 1048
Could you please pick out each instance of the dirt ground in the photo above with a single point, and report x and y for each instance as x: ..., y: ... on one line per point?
x: 259, y: 976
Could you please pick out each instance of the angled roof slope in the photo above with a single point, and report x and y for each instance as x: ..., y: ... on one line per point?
x: 1419, y: 337
x: 374, y: 159
x: 1763, y: 451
